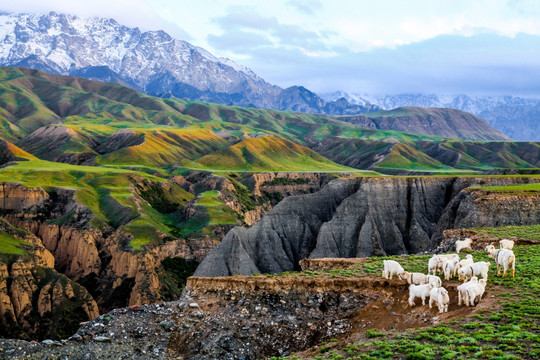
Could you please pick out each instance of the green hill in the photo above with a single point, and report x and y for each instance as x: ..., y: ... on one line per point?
x: 402, y: 156
x: 78, y: 121
x: 268, y: 152
x: 159, y: 147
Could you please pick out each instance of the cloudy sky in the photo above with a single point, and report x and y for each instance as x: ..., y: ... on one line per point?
x: 482, y: 47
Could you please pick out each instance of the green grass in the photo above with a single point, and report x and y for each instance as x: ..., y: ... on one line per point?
x: 269, y: 152
x: 10, y: 245
x: 107, y: 192
x: 527, y: 232
x: 218, y: 212
x: 508, y: 331
x: 211, y: 212
x: 512, y: 188
x: 95, y: 110
x: 162, y: 147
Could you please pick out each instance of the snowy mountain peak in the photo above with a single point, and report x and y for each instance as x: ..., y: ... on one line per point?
x: 68, y: 45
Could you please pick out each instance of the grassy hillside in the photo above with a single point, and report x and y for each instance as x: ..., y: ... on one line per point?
x: 268, y: 152
x: 79, y: 121
x: 403, y: 156
x: 163, y: 147
x: 107, y: 192
x: 432, y: 121
x: 508, y: 329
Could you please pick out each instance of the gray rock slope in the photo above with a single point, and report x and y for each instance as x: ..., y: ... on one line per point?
x: 364, y: 217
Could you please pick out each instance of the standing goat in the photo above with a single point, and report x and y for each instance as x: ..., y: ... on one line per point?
x: 463, y: 244
x: 503, y: 258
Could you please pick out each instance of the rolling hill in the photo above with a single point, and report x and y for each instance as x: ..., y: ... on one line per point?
x: 269, y: 152
x: 78, y: 121
x: 431, y: 121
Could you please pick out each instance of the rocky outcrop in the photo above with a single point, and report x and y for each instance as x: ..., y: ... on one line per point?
x: 286, y: 184
x: 366, y: 217
x: 280, y: 239
x: 38, y: 302
x: 14, y: 196
x: 252, y: 317
x: 35, y: 300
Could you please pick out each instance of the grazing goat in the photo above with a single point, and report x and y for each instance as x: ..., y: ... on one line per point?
x: 440, y: 296
x: 480, y: 268
x: 475, y: 291
x: 434, y: 280
x: 468, y: 260
x: 450, y: 268
x: 462, y: 290
x: 433, y: 264
x: 421, y: 291
x: 391, y: 268
x: 463, y: 244
x: 436, y: 262
x: 503, y: 258
x: 506, y: 244
x: 414, y: 278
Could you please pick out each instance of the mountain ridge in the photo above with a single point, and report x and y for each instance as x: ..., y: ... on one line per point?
x: 515, y: 116
x: 152, y: 62
x: 432, y: 121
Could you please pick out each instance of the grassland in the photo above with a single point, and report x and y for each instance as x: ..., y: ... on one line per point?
x: 403, y: 156
x: 106, y: 191
x: 269, y: 152
x: 529, y: 232
x: 535, y: 187
x: 10, y: 245
x: 508, y: 330
x: 212, y: 212
x: 94, y: 111
x: 218, y: 213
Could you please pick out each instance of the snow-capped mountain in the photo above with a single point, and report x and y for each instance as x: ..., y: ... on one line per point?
x: 151, y: 61
x: 96, y: 47
x: 517, y: 117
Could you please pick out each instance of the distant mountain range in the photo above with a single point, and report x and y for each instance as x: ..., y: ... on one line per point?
x: 155, y: 63
x: 517, y: 117
x: 83, y: 122
x: 429, y: 121
x: 152, y: 62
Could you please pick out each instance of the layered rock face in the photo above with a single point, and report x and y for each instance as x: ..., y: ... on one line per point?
x: 35, y: 300
x: 366, y: 217
x: 98, y: 267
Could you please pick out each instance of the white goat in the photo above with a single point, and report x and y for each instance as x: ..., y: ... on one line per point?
x: 463, y: 244
x: 475, y: 292
x: 391, y: 268
x: 414, y: 278
x: 450, y: 268
x: 445, y: 257
x: 433, y: 264
x: 462, y: 290
x: 440, y: 296
x: 421, y: 291
x: 506, y: 244
x: 436, y: 262
x: 468, y: 260
x: 480, y: 268
x: 503, y: 258
x: 434, y: 280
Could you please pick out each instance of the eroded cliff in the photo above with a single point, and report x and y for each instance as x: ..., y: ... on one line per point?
x: 99, y: 256
x: 366, y: 217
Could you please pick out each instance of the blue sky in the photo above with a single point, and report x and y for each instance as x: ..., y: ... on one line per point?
x: 482, y: 47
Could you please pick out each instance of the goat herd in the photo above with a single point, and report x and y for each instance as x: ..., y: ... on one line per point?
x: 450, y: 265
